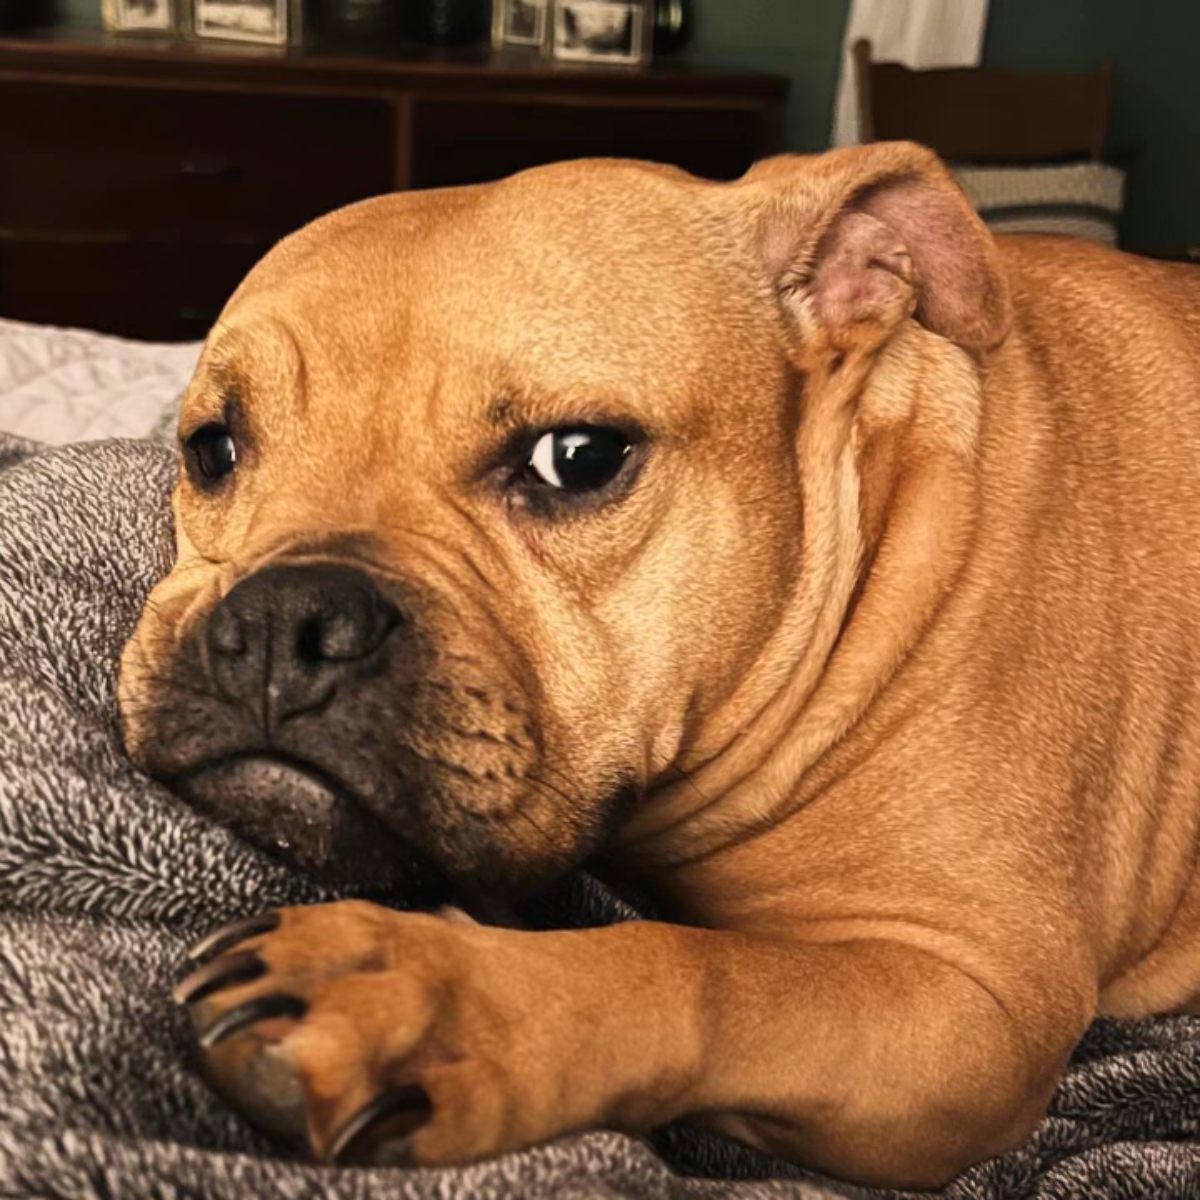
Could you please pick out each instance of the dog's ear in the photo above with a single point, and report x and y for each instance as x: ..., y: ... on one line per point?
x: 859, y: 239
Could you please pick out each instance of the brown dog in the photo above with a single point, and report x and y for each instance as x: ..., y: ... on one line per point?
x: 830, y: 565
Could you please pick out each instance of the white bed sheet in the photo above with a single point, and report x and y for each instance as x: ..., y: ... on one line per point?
x: 71, y: 385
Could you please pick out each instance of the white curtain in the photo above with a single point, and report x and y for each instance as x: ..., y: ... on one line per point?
x: 918, y: 33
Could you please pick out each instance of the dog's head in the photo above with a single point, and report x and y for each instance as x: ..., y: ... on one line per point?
x: 491, y: 500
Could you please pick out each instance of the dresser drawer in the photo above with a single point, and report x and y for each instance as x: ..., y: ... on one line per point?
x: 101, y: 158
x: 163, y: 291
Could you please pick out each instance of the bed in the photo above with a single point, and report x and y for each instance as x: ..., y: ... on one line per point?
x: 71, y: 385
x: 105, y: 877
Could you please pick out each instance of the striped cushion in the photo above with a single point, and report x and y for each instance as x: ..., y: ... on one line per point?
x: 1079, y: 199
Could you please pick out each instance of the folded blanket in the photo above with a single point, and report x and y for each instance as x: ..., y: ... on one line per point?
x: 104, y: 877
x: 72, y: 385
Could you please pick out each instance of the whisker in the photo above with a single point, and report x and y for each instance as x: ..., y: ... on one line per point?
x: 556, y: 790
x: 567, y: 780
x: 528, y: 819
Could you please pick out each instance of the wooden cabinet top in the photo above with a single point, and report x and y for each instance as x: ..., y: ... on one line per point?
x: 89, y: 53
x: 141, y: 179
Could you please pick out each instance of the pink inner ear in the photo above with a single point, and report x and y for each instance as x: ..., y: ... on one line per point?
x: 863, y: 274
x: 960, y: 290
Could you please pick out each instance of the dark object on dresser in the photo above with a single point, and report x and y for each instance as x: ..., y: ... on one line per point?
x: 375, y: 26
x: 144, y: 179
x: 448, y: 22
x: 26, y: 14
x: 672, y: 25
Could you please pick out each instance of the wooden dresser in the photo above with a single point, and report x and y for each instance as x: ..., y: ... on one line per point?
x: 139, y: 181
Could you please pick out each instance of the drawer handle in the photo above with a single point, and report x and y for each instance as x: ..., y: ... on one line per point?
x: 210, y: 168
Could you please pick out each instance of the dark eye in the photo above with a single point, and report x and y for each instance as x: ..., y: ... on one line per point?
x: 211, y: 453
x: 579, y: 460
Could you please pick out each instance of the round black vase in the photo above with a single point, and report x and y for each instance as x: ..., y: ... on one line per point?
x: 27, y: 14
x: 672, y: 25
x: 448, y: 22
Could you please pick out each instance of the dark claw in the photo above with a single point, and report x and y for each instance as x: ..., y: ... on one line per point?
x: 241, y: 967
x: 229, y: 935
x: 263, y: 1009
x: 390, y: 1117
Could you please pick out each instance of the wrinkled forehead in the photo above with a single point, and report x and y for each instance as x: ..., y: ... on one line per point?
x: 577, y: 286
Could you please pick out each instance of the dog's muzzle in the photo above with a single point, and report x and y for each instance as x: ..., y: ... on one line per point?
x: 283, y: 648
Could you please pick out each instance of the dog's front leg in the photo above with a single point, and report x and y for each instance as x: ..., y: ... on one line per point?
x: 868, y: 1059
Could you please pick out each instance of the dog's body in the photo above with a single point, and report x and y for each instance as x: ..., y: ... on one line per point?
x: 875, y: 660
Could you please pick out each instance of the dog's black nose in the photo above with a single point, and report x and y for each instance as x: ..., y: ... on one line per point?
x: 286, y: 638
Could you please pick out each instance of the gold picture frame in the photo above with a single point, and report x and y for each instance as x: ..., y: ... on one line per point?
x: 139, y: 16
x: 520, y: 23
x: 258, y: 22
x: 602, y: 31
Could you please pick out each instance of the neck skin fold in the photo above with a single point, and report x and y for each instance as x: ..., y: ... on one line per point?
x: 887, y: 450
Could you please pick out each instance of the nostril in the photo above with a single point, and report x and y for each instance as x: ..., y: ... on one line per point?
x: 345, y: 635
x: 310, y: 639
x: 226, y: 634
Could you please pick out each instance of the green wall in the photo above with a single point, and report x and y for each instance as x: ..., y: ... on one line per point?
x: 799, y: 38
x: 1154, y: 45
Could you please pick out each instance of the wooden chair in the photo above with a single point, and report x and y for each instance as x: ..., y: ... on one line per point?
x: 977, y: 115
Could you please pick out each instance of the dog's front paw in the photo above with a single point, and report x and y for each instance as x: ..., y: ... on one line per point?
x: 368, y: 1031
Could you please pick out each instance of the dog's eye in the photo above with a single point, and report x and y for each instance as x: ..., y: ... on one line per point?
x: 211, y: 453
x: 579, y: 460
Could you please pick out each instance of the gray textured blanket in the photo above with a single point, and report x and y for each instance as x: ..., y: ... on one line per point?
x: 104, y: 877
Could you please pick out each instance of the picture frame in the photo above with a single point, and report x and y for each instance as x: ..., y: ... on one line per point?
x: 602, y: 31
x: 259, y: 22
x: 139, y: 16
x: 520, y: 23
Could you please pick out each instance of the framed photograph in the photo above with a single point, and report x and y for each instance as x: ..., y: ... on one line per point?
x: 520, y: 22
x: 138, y: 16
x: 605, y: 31
x: 265, y: 22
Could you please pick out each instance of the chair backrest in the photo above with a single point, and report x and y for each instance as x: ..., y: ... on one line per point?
x: 977, y: 115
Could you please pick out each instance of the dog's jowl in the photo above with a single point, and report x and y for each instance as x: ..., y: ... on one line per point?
x: 826, y: 564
